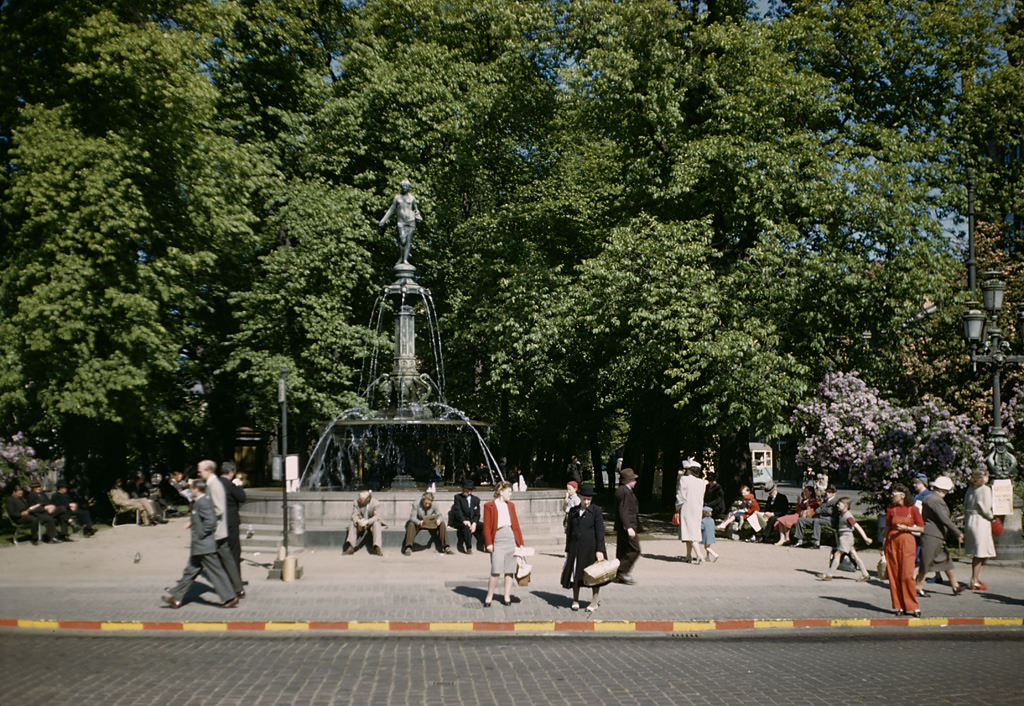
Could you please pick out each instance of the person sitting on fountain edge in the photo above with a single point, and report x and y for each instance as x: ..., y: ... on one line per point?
x: 366, y: 523
x: 425, y: 516
x: 465, y: 518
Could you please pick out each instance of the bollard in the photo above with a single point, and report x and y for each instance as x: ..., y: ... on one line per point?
x: 289, y: 569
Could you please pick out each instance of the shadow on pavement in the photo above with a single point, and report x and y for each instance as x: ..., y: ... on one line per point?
x: 469, y: 592
x: 858, y: 604
x: 663, y: 557
x: 556, y: 600
x: 999, y: 598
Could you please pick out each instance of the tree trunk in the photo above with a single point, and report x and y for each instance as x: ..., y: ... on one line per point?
x: 734, y: 463
x: 670, y: 467
x: 595, y: 459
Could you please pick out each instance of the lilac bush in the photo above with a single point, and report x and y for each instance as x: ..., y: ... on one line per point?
x: 849, y: 425
x: 18, y: 462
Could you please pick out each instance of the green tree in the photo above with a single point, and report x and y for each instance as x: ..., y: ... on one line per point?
x: 122, y: 194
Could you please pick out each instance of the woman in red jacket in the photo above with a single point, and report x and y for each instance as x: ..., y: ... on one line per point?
x: 502, y: 536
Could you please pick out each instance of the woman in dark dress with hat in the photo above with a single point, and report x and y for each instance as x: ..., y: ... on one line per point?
x: 584, y: 544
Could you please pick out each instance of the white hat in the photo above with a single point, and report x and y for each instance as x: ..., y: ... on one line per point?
x: 690, y: 463
x: 943, y: 483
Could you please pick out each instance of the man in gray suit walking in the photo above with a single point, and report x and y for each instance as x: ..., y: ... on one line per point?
x: 203, y: 554
x: 208, y: 472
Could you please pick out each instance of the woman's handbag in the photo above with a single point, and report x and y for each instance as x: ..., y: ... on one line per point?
x: 523, y: 571
x: 600, y: 572
x: 997, y: 527
x: 675, y: 518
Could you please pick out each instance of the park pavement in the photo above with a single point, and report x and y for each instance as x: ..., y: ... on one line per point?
x: 114, y: 581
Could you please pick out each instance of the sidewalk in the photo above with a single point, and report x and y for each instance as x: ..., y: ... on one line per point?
x: 97, y: 584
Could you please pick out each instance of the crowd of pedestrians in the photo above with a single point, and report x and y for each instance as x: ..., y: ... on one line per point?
x: 915, y: 530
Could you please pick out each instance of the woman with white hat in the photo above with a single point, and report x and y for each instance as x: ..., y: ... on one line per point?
x: 937, y: 522
x: 978, y: 525
x: 690, y: 506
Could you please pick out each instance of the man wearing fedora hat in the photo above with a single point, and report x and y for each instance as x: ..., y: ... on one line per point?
x: 465, y: 518
x: 627, y: 526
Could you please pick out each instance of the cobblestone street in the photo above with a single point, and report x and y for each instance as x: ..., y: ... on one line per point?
x: 934, y: 668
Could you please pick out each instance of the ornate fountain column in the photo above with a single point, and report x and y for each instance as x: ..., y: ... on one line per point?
x: 408, y: 390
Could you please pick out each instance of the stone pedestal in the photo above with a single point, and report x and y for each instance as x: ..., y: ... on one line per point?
x: 1009, y: 551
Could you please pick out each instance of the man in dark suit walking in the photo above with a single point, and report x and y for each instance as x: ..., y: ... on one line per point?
x: 203, y: 553
x: 466, y: 518
x: 627, y: 526
x: 234, y: 495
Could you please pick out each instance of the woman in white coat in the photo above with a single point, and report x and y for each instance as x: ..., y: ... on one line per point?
x: 690, y: 505
x: 978, y: 526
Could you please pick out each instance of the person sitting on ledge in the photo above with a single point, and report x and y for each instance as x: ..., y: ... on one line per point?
x: 465, y: 515
x: 425, y: 516
x: 366, y: 523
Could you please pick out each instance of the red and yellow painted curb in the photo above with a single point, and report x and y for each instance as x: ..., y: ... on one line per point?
x: 596, y: 626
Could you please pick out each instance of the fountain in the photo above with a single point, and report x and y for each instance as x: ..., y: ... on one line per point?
x: 402, y: 436
x: 405, y: 431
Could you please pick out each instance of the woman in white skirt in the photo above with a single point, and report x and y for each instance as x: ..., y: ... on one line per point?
x: 978, y: 517
x: 690, y: 506
x: 501, y: 535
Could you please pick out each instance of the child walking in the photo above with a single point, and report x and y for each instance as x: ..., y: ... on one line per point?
x: 707, y: 533
x: 844, y: 545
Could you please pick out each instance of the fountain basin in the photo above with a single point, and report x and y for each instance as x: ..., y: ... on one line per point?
x: 326, y: 516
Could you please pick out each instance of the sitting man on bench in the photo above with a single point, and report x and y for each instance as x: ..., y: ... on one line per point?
x: 62, y: 498
x: 824, y: 516
x: 125, y: 503
x: 25, y: 514
x: 425, y: 516
x: 61, y: 516
x: 366, y: 524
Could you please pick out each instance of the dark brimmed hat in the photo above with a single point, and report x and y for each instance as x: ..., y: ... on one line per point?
x: 468, y: 484
x: 586, y: 491
x: 627, y: 475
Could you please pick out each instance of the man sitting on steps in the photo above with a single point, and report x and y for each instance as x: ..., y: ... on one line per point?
x: 366, y: 523
x: 425, y: 516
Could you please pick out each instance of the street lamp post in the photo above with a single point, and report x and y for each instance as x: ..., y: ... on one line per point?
x: 988, y: 347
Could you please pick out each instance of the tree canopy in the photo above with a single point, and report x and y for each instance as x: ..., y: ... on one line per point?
x: 651, y: 225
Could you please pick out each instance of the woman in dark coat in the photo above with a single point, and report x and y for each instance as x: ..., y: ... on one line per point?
x: 714, y: 496
x: 584, y: 544
x: 934, y: 556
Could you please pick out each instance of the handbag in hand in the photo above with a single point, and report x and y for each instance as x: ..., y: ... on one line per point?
x: 600, y: 572
x: 523, y: 571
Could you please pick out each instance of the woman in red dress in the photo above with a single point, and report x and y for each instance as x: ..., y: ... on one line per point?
x: 902, y: 522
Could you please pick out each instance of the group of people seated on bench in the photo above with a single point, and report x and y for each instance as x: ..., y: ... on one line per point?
x: 813, y: 511
x: 53, y: 517
x: 50, y: 517
x: 367, y: 524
